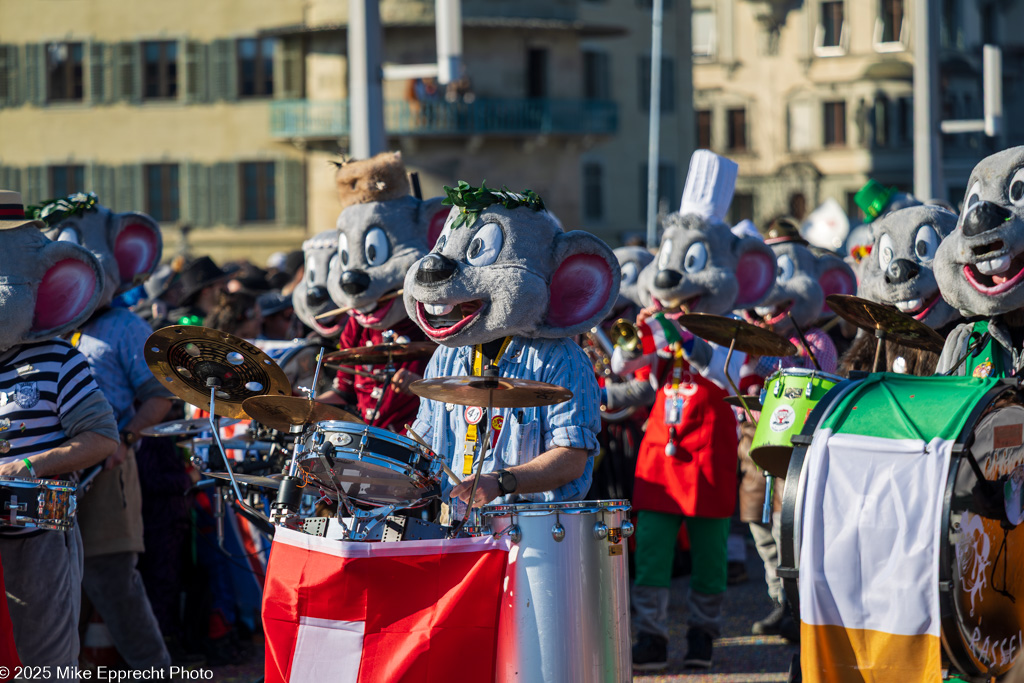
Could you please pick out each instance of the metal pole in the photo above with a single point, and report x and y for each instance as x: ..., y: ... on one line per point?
x: 449, y: 39
x: 654, y: 125
x: 928, y: 181
x: 366, y: 100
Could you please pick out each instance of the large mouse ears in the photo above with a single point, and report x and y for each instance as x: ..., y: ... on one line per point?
x: 68, y: 291
x: 583, y: 287
x: 755, y: 271
x: 433, y: 216
x: 835, y: 277
x: 137, y: 248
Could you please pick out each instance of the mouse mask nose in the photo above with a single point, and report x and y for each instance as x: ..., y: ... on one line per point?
x: 354, y: 282
x: 316, y: 296
x: 667, y: 279
x: 435, y: 268
x: 983, y: 217
x: 901, y: 270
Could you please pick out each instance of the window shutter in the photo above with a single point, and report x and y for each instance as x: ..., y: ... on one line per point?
x: 224, y: 81
x: 801, y: 115
x: 224, y: 194
x: 10, y: 178
x: 128, y: 189
x: 288, y: 62
x: 97, y: 74
x: 7, y: 80
x: 34, y: 73
x: 127, y: 68
x: 196, y: 196
x: 36, y: 186
x: 668, y: 85
x: 290, y: 177
x: 197, y: 84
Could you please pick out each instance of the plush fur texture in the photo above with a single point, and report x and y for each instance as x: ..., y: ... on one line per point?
x: 906, y: 241
x: 803, y: 281
x: 702, y: 266
x: 378, y: 242
x: 513, y: 272
x: 311, y: 296
x: 632, y: 261
x: 376, y: 179
x: 990, y: 237
x: 128, y: 245
x: 46, y: 288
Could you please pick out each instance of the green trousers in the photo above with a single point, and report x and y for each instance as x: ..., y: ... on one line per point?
x: 655, y: 549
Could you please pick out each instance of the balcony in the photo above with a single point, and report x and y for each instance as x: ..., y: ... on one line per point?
x: 311, y: 120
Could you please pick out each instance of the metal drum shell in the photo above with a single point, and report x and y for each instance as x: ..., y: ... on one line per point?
x: 565, y: 610
x: 52, y: 504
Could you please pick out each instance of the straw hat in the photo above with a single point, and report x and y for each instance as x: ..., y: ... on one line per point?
x: 12, y: 212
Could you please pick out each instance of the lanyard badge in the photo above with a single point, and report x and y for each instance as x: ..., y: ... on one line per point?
x: 475, y: 414
x: 674, y: 400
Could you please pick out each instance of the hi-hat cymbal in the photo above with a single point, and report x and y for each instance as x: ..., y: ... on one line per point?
x: 183, y: 427
x: 283, y: 412
x: 750, y: 339
x: 896, y: 326
x: 752, y: 402
x: 271, y: 482
x: 500, y: 392
x: 382, y: 353
x: 185, y: 357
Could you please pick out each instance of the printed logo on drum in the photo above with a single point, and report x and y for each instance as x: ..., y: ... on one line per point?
x: 26, y: 394
x: 984, y: 369
x: 794, y: 392
x: 782, y: 418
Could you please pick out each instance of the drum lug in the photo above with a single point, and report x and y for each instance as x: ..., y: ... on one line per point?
x: 809, y: 388
x: 945, y: 586
x: 515, y: 533
x: 778, y: 389
x: 627, y: 528
x: 558, y: 532
x: 600, y: 531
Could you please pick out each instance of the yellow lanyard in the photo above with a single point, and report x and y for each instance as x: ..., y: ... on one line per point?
x: 677, y: 367
x: 471, y: 428
x: 76, y: 338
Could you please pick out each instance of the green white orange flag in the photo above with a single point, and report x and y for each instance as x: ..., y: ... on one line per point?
x: 657, y: 332
x: 870, y: 527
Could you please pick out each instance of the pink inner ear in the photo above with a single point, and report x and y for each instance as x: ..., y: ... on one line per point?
x: 836, y: 281
x: 435, y: 227
x: 135, y: 251
x: 63, y: 295
x: 579, y: 289
x: 755, y: 273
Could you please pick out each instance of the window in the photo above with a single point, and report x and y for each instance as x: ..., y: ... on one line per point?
x: 536, y: 73
x: 881, y: 121
x: 800, y: 116
x: 596, y: 75
x: 742, y: 207
x: 667, y: 194
x: 703, y: 129
x: 890, y: 16
x: 593, y: 195
x: 160, y: 70
x: 255, y: 67
x: 668, y: 93
x: 831, y: 23
x: 736, y: 121
x: 904, y: 120
x: 798, y: 205
x: 65, y: 180
x: 835, y: 124
x: 162, y: 192
x: 703, y: 33
x: 648, y: 4
x: 64, y: 72
x: 951, y: 24
x: 852, y: 208
x: 258, y: 196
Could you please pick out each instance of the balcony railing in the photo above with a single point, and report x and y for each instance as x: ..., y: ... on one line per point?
x: 304, y: 119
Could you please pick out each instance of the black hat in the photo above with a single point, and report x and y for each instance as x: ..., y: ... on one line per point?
x: 783, y: 229
x: 274, y: 302
x: 199, y: 275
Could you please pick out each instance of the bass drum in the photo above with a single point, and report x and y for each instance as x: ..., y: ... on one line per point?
x: 981, y: 563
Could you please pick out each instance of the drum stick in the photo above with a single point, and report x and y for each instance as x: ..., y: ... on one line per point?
x: 345, y: 309
x: 419, y: 439
x: 803, y: 340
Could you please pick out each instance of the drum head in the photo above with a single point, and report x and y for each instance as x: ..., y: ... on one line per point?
x: 983, y: 614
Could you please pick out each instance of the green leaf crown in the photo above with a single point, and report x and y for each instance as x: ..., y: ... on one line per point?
x: 53, y: 211
x: 472, y: 200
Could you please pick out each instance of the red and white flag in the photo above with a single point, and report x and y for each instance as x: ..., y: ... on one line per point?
x: 344, y: 612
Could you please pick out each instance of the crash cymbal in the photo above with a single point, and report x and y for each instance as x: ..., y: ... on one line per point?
x: 271, y: 482
x: 230, y: 444
x: 282, y: 412
x: 503, y: 392
x: 185, y: 357
x: 752, y: 402
x: 382, y: 353
x: 875, y: 317
x: 183, y: 427
x: 750, y: 339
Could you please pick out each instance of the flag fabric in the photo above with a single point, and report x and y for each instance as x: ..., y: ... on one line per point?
x: 346, y: 612
x: 871, y: 527
x: 658, y: 332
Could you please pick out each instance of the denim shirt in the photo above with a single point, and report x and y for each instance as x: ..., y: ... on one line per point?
x: 525, y: 432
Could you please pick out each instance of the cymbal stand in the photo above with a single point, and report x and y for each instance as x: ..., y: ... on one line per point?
x: 490, y: 381
x: 389, y: 374
x: 880, y: 335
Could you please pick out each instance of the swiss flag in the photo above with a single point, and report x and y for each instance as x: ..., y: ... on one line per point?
x: 346, y: 612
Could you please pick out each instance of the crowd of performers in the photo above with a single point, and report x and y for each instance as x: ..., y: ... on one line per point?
x: 494, y: 279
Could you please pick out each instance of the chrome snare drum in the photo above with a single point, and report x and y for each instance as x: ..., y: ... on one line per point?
x: 565, y: 609
x: 370, y: 464
x: 37, y: 503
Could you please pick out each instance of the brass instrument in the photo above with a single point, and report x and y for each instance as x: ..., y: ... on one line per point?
x: 599, y: 349
x: 626, y: 337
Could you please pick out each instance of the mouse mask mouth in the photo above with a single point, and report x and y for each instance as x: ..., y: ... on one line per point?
x: 994, y: 270
x: 441, y: 321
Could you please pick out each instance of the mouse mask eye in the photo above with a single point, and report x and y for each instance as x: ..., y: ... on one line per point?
x: 485, y: 246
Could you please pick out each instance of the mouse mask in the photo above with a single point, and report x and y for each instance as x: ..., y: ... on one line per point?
x: 980, y: 266
x: 128, y: 245
x: 503, y: 266
x: 702, y: 267
x: 899, y: 269
x: 632, y: 261
x: 310, y: 297
x: 46, y: 288
x: 802, y: 282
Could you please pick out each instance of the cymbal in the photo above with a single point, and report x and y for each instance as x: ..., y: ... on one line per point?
x: 282, y: 412
x: 184, y: 357
x: 271, y: 482
x: 382, y: 353
x: 752, y: 402
x: 897, y: 326
x: 183, y: 427
x: 501, y: 392
x: 750, y: 339
x: 232, y: 443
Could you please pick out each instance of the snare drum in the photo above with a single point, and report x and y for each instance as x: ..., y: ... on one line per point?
x: 787, y: 399
x: 565, y: 610
x: 37, y: 504
x: 370, y: 464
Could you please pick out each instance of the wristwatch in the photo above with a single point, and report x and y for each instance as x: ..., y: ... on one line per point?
x: 507, y: 482
x: 128, y: 438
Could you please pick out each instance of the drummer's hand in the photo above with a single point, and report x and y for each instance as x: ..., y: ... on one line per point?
x: 644, y: 314
x: 117, y: 458
x: 18, y: 469
x: 402, y: 379
x: 486, y: 491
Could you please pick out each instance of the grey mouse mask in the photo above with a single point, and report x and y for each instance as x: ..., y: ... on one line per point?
x: 503, y: 271
x: 702, y: 267
x: 899, y: 269
x: 802, y: 282
x: 980, y: 266
x: 632, y: 261
x: 310, y: 297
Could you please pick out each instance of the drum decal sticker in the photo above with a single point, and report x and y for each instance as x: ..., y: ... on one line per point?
x: 983, y: 369
x: 972, y: 551
x: 474, y: 414
x: 26, y: 394
x: 782, y: 418
x: 794, y: 392
x: 1007, y: 436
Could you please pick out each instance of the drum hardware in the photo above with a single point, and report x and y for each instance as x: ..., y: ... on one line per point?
x: 971, y: 350
x: 885, y: 322
x: 601, y: 531
x: 558, y: 531
x: 87, y: 479
x: 182, y: 427
x: 803, y: 340
x: 345, y: 309
x: 444, y: 466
